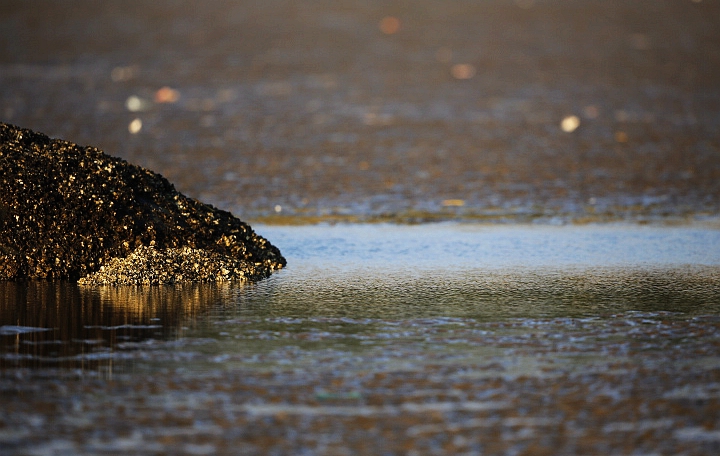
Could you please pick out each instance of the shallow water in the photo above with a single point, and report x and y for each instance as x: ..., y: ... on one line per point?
x: 386, y: 273
x: 431, y: 338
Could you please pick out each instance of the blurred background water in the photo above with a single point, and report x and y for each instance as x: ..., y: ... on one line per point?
x: 400, y: 111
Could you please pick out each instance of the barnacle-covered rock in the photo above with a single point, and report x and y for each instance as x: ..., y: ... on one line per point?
x: 66, y: 211
x: 149, y: 266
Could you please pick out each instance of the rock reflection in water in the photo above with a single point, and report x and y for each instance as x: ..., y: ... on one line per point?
x: 61, y: 324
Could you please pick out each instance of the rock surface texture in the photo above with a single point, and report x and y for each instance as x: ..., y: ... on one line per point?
x: 73, y: 212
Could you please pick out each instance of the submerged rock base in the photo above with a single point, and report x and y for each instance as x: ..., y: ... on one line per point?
x: 75, y: 213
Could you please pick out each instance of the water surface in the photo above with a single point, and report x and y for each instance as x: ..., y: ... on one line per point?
x: 387, y: 273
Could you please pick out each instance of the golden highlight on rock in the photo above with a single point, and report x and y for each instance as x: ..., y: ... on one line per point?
x: 71, y: 212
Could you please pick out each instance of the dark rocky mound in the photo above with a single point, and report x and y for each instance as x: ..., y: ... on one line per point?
x: 66, y: 211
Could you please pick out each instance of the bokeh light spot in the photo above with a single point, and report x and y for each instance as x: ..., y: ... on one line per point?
x: 591, y: 112
x: 166, y: 95
x: 136, y: 104
x: 462, y: 71
x: 621, y: 137
x: 123, y: 73
x: 570, y: 124
x: 389, y: 25
x: 135, y: 126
